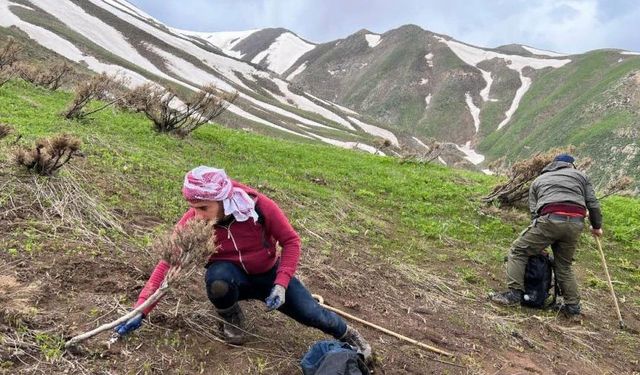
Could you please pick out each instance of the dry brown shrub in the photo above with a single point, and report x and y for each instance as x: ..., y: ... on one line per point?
x: 49, y: 154
x: 9, y: 54
x: 5, y: 76
x: 434, y: 150
x: 47, y: 77
x: 99, y: 87
x: 618, y: 185
x: 172, y: 114
x: 195, y: 241
x: 520, y: 175
x: 5, y: 130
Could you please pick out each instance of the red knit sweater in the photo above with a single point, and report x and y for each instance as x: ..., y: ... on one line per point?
x: 249, y: 245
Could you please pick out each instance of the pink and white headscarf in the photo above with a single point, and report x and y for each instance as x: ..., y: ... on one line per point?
x: 211, y: 184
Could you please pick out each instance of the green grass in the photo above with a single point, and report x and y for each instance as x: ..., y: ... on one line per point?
x: 572, y: 105
x: 425, y: 214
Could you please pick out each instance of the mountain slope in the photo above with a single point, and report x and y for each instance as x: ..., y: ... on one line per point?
x: 407, y: 246
x: 408, y: 86
x: 113, y: 36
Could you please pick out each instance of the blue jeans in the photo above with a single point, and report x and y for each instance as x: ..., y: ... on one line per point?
x: 228, y: 284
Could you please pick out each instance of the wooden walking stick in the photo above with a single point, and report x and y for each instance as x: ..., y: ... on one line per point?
x: 382, y: 329
x: 613, y: 294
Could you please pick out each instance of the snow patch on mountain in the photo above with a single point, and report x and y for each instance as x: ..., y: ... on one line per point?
x: 421, y: 143
x: 225, y: 40
x: 475, y: 111
x: 423, y: 81
x: 298, y: 70
x: 283, y: 52
x: 130, y: 9
x: 484, y: 93
x: 373, y: 39
x: 470, y: 154
x: 224, y: 65
x: 188, y: 71
x: 441, y: 160
x: 98, y: 32
x: 629, y: 53
x: 427, y: 100
x: 429, y: 57
x: 63, y: 47
x: 526, y: 83
x: 473, y: 56
x: 306, y: 104
x: 21, y: 6
x: 349, y: 145
x: 377, y: 131
x: 242, y: 113
x: 542, y: 52
x: 331, y: 104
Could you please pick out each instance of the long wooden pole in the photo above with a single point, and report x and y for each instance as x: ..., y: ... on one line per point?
x: 613, y: 294
x: 382, y: 329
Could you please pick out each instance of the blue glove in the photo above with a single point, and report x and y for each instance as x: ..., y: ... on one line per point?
x: 276, y: 298
x: 130, y: 325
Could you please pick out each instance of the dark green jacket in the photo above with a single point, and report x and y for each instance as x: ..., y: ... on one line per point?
x: 561, y: 183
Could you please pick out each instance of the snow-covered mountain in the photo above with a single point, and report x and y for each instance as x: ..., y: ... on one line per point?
x: 406, y: 85
x: 511, y: 101
x: 116, y: 37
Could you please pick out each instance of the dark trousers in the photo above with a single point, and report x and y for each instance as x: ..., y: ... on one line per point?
x: 563, y: 236
x: 228, y: 284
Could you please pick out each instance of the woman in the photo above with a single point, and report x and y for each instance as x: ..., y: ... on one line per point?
x: 247, y: 265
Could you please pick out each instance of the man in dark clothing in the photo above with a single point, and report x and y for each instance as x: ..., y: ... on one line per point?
x: 558, y: 200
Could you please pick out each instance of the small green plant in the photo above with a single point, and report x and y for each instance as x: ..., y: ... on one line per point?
x: 469, y: 275
x: 595, y: 282
x: 50, y: 345
x: 261, y: 365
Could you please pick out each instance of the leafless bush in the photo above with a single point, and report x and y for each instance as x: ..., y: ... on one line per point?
x: 380, y: 144
x: 618, y: 185
x: 9, y: 54
x: 49, y: 154
x: 5, y: 130
x: 162, y: 106
x: 434, y: 150
x: 521, y: 174
x: 98, y: 87
x: 5, y: 76
x: 48, y: 77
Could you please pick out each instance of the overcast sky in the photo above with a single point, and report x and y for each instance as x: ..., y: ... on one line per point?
x: 557, y: 25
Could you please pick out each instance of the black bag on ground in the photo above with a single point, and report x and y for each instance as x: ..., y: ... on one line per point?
x: 332, y: 357
x: 538, y: 280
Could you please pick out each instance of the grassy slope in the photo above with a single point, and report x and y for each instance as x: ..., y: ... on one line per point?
x: 427, y: 216
x: 415, y: 211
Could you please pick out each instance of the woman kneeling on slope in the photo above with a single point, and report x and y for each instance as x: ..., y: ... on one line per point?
x: 246, y: 264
